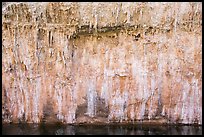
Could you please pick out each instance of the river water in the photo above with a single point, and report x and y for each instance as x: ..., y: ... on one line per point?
x: 56, y: 129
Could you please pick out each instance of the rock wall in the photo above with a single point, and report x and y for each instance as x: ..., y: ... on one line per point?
x: 102, y: 62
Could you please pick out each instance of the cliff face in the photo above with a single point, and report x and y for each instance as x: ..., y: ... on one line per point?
x: 102, y: 62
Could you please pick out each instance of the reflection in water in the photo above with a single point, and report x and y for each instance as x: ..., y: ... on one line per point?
x: 56, y: 129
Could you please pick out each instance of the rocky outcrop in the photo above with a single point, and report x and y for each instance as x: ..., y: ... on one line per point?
x: 102, y: 62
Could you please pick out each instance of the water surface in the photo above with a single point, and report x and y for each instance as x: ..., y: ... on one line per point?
x: 57, y: 129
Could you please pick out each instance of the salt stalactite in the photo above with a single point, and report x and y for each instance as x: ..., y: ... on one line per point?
x: 118, y: 106
x: 109, y: 101
x: 58, y: 92
x: 104, y: 92
x: 27, y: 99
x: 142, y: 89
x: 194, y: 101
x: 184, y: 113
x: 132, y: 97
x: 191, y: 103
x: 175, y: 22
x: 95, y: 14
x: 117, y: 8
x: 128, y: 16
x: 36, y: 99
x: 121, y: 103
x: 199, y: 108
x: 67, y: 90
x: 151, y: 112
x: 91, y: 98
x: 125, y: 103
x: 160, y: 67
x: 21, y: 98
x: 146, y: 90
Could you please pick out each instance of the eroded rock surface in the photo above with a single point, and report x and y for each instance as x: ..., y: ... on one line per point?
x: 102, y: 62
